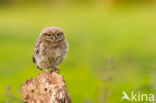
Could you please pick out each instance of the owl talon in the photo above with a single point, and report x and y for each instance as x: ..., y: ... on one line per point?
x: 39, y: 68
x: 56, y: 70
x: 47, y: 71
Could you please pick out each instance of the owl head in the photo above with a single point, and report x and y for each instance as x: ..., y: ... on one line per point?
x: 52, y: 34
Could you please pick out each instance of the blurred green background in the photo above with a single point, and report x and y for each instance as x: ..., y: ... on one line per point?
x: 112, y: 46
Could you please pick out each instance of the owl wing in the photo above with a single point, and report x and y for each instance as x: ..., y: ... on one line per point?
x: 36, y: 50
x: 33, y: 59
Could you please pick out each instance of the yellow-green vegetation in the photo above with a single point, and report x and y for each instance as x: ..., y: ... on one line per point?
x: 111, y: 49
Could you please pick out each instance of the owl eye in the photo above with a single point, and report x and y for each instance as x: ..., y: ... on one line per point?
x: 58, y: 34
x: 47, y: 34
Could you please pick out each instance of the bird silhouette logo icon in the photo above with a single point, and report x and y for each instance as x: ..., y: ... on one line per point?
x: 125, y: 96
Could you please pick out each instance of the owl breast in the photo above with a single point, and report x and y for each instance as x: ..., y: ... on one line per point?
x: 50, y: 56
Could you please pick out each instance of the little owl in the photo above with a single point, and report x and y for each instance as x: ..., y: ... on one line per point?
x: 51, y: 49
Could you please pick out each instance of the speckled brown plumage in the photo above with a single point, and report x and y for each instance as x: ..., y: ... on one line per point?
x: 51, y: 48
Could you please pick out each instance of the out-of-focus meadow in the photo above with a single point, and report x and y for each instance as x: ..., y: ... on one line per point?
x: 112, y: 46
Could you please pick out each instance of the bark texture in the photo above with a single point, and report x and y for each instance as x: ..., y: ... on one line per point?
x: 46, y: 88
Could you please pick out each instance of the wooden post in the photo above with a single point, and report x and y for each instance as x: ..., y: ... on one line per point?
x: 46, y: 88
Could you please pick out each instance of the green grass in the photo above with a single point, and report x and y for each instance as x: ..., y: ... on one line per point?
x: 95, y: 35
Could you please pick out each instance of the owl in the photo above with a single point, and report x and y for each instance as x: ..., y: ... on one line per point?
x: 51, y: 49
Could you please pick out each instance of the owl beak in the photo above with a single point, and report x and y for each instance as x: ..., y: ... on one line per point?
x: 53, y: 38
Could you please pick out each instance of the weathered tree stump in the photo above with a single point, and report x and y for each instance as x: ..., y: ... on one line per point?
x: 46, y: 88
